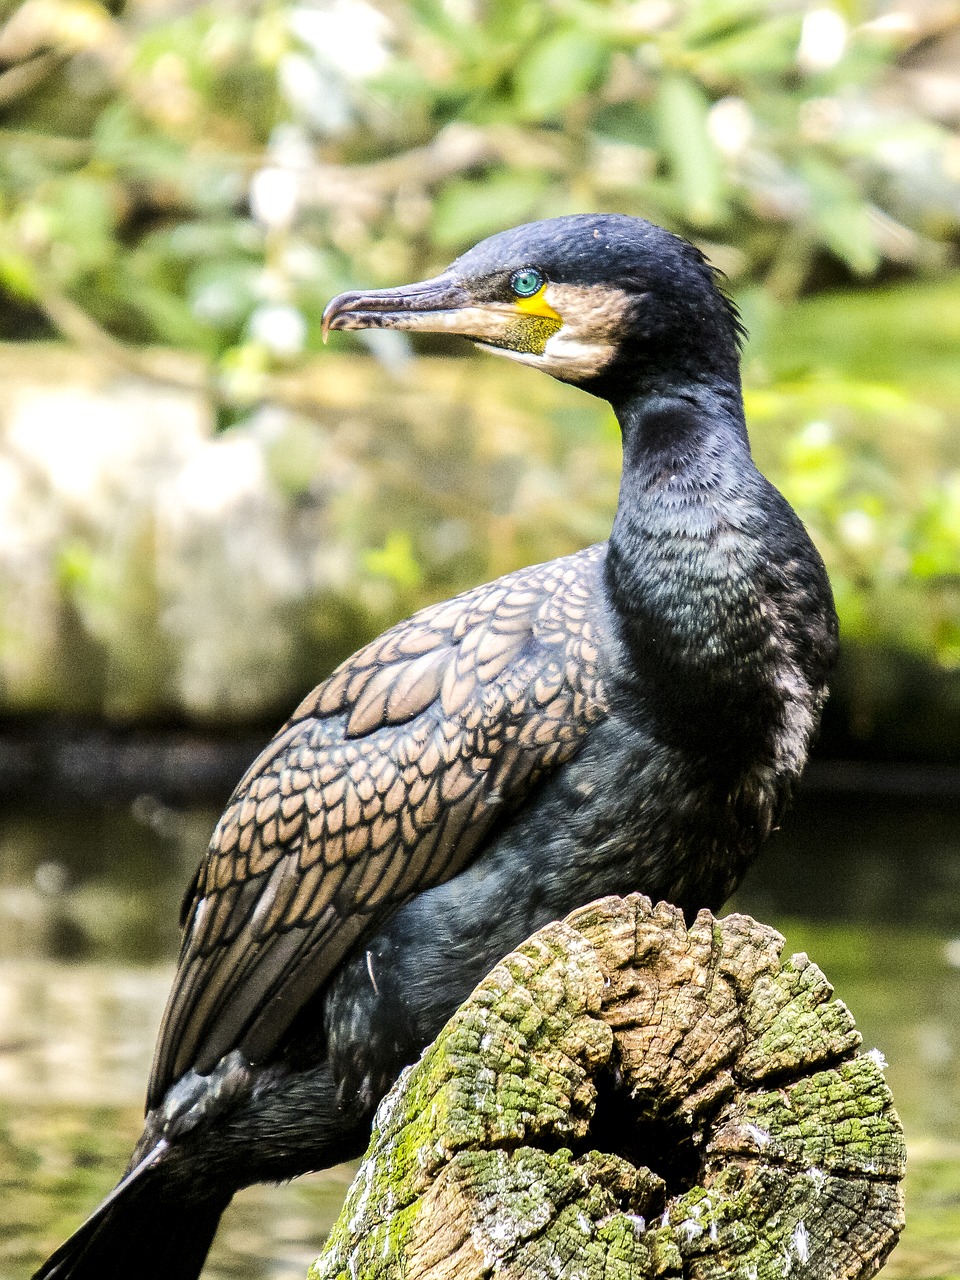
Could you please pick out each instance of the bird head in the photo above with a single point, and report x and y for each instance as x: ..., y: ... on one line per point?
x: 598, y: 300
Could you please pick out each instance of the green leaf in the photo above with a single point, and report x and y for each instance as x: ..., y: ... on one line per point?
x: 907, y: 335
x: 468, y: 210
x: 627, y: 122
x: 682, y: 108
x: 556, y: 71
x: 753, y: 51
x: 396, y: 561
x: 83, y: 217
x: 223, y: 294
x: 840, y: 215
x: 17, y: 273
x: 169, y: 315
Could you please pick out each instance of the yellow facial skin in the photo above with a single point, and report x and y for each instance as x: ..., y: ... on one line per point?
x: 537, y: 305
x: 536, y: 323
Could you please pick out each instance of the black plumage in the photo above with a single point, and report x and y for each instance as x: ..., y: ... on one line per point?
x: 632, y: 717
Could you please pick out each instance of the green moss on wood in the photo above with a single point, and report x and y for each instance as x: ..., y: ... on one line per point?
x: 775, y: 1147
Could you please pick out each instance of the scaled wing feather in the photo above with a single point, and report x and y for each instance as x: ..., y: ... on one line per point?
x: 386, y: 781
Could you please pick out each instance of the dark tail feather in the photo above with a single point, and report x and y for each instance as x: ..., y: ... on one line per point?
x: 139, y: 1230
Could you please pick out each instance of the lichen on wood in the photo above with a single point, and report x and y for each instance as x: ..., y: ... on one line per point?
x: 627, y: 1097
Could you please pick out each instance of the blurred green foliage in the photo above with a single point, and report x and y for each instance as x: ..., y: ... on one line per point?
x: 381, y: 139
x: 204, y: 176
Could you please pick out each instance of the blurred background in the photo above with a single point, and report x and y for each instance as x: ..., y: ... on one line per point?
x: 201, y: 511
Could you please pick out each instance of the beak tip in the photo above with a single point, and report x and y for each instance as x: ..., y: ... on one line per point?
x: 408, y: 307
x: 326, y: 322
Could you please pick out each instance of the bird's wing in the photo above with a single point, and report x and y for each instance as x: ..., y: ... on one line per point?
x: 386, y: 781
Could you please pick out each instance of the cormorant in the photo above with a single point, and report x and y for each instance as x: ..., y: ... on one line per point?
x: 631, y: 717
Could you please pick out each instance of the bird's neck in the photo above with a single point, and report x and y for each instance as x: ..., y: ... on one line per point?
x: 694, y: 526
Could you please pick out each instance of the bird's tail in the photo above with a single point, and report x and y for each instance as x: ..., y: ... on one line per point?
x: 143, y: 1228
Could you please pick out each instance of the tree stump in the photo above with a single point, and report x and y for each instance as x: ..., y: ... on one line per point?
x: 625, y: 1097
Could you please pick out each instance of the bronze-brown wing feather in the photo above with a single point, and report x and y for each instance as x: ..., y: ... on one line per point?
x: 386, y: 781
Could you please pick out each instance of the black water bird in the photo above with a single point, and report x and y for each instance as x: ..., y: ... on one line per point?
x: 632, y: 717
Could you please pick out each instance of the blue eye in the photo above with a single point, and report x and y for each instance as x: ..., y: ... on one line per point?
x: 526, y: 282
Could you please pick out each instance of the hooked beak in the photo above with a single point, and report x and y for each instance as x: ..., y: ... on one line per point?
x: 427, y: 305
x: 440, y: 305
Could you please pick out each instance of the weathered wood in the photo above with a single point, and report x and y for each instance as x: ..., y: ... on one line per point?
x: 624, y: 1097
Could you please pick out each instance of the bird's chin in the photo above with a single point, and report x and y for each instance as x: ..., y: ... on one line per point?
x: 566, y: 358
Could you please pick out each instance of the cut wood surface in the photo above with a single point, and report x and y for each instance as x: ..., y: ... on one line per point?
x: 626, y: 1097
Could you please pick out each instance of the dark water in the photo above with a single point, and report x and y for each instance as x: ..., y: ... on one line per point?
x: 868, y: 884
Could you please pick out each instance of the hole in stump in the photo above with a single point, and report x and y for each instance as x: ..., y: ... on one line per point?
x: 667, y: 1146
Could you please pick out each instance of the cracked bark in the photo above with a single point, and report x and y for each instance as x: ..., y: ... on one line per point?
x: 626, y: 1097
